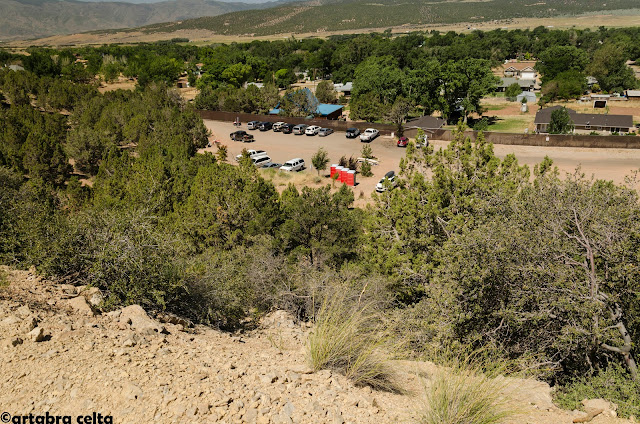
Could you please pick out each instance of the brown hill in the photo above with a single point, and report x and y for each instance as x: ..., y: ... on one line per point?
x: 26, y: 19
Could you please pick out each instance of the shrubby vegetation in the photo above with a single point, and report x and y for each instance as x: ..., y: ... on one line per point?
x: 469, y: 251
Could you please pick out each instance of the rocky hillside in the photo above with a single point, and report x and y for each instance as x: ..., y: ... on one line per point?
x: 26, y: 19
x: 58, y: 356
x: 347, y: 15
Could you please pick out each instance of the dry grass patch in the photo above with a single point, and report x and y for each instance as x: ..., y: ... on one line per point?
x: 351, y: 341
x: 462, y: 396
x: 281, y: 179
x: 468, y: 389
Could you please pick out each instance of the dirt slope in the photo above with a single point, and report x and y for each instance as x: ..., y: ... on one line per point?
x: 57, y: 357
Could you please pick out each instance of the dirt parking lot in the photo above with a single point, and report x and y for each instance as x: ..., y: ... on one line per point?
x: 608, y: 164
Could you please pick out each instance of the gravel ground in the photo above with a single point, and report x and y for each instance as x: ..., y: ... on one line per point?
x: 609, y: 164
x: 58, y: 357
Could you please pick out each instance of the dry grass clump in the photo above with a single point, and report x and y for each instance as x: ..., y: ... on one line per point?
x: 467, y: 389
x: 464, y: 396
x: 352, y: 342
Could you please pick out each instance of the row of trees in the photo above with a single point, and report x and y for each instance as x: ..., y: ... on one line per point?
x: 381, y: 89
x: 564, y: 70
x: 566, y: 57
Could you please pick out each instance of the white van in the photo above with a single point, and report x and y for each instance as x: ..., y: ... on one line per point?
x: 312, y: 130
x: 261, y: 161
x: 296, y: 164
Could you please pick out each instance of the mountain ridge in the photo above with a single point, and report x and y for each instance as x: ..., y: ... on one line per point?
x: 332, y: 15
x: 28, y: 19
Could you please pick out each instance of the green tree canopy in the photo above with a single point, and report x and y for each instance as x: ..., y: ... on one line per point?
x: 561, y: 122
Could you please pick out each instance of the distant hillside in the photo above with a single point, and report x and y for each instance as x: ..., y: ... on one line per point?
x: 20, y: 19
x: 341, y: 15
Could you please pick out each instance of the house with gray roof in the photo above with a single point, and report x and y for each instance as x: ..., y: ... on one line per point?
x: 585, y: 123
x: 428, y: 124
x: 525, y: 84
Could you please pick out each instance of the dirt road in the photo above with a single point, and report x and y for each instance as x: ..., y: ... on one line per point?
x: 608, y: 164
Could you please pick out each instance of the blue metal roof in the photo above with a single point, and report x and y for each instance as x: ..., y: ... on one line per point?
x: 325, y: 109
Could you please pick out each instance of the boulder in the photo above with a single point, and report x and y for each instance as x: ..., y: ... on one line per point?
x: 80, y: 305
x: 23, y: 311
x: 36, y: 335
x: 139, y: 321
x: 597, y: 406
x: 93, y: 296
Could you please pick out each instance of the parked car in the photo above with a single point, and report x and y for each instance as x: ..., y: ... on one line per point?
x: 300, y: 129
x: 389, y: 180
x: 253, y: 125
x: 287, y: 128
x: 325, y: 132
x: 237, y: 136
x: 261, y: 161
x: 403, y: 141
x: 296, y: 164
x: 265, y: 126
x: 312, y: 130
x: 278, y: 126
x: 352, y: 132
x: 273, y: 165
x: 369, y: 134
x: 252, y: 153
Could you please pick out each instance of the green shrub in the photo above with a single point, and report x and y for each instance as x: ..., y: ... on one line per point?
x: 613, y: 384
x: 365, y: 169
x: 4, y: 278
x: 124, y: 253
x: 349, y: 340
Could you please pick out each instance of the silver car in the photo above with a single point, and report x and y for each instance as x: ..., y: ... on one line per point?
x: 325, y: 132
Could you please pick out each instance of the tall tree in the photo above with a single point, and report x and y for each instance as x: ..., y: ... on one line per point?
x: 561, y: 122
x: 320, y: 159
x: 610, y: 69
x: 325, y: 92
x: 557, y: 59
x: 464, y: 84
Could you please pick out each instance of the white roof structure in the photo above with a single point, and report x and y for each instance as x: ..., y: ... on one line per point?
x: 347, y: 86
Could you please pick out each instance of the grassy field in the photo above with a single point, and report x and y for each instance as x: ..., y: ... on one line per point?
x: 611, y: 18
x: 512, y: 124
